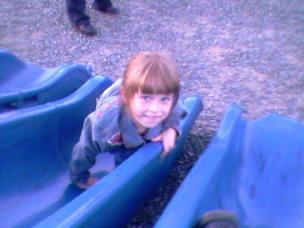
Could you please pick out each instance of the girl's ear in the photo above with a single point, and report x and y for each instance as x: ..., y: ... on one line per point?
x: 123, y: 95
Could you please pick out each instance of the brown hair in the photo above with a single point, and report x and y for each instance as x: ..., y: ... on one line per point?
x: 150, y: 72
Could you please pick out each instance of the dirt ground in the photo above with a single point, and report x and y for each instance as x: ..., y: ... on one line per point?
x: 247, y: 52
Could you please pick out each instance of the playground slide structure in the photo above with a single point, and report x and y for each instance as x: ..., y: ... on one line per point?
x: 24, y: 84
x: 253, y: 168
x: 35, y: 147
x: 113, y: 201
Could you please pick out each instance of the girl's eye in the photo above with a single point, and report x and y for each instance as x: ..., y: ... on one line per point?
x: 146, y: 97
x: 166, y: 99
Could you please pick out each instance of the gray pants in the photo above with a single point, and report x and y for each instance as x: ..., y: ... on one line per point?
x: 76, y: 10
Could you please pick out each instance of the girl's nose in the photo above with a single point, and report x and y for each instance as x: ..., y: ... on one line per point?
x: 154, y: 106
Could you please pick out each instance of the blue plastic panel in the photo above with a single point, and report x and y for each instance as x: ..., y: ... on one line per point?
x: 35, y: 148
x: 253, y: 168
x: 23, y: 84
x: 113, y: 200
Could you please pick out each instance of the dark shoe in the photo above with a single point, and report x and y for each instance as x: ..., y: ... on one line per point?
x: 108, y: 10
x: 85, y: 184
x: 218, y: 219
x: 86, y: 29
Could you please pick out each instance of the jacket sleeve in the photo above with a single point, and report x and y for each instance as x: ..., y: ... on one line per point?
x: 85, y: 151
x: 173, y: 120
x: 113, y: 90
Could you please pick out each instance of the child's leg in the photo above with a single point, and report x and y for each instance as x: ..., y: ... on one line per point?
x: 88, y: 183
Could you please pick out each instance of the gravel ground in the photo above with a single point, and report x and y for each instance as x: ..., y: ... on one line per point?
x: 247, y: 52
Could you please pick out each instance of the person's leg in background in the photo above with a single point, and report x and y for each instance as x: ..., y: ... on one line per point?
x: 105, y: 6
x: 78, y: 18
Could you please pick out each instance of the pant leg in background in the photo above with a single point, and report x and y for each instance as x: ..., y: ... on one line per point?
x: 102, y: 4
x: 76, y: 12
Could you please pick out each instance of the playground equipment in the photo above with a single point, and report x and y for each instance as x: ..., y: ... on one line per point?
x: 24, y: 84
x: 253, y: 168
x: 35, y: 148
x: 113, y: 201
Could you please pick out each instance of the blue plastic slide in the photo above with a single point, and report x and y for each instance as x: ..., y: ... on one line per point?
x: 253, y: 168
x: 23, y: 84
x: 35, y: 148
x: 113, y: 201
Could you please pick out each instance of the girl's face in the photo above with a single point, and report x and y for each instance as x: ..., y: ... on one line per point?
x: 149, y: 110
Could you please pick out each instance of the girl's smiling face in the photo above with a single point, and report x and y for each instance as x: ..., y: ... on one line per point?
x: 149, y: 110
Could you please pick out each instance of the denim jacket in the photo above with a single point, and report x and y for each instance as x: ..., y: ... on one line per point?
x: 110, y: 127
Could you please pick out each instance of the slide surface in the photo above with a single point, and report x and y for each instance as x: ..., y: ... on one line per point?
x: 24, y: 84
x: 252, y: 168
x: 35, y: 148
x: 115, y: 199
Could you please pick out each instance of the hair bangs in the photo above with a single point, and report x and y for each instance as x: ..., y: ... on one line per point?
x: 150, y: 73
x: 163, y: 84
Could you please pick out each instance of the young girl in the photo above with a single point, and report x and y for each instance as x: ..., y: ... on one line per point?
x: 142, y: 107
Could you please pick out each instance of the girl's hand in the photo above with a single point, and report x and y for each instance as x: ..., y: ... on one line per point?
x: 168, y: 137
